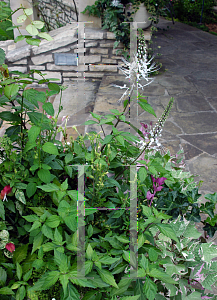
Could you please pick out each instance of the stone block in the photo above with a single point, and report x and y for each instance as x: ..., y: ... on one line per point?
x: 116, y: 57
x: 55, y: 44
x: 18, y: 54
x: 89, y: 59
x: 81, y: 68
x: 56, y: 75
x: 82, y: 44
x: 109, y: 61
x: 94, y: 74
x: 19, y: 69
x: 115, y: 50
x: 71, y: 74
x: 110, y: 36
x: 98, y: 50
x: 62, y: 50
x: 103, y: 68
x: 42, y: 59
x: 80, y: 50
x: 11, y: 47
x: 40, y: 68
x: 6, y: 43
x: 108, y: 45
x: 21, y: 62
x: 92, y: 34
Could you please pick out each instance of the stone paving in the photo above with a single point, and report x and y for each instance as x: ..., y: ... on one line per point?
x: 189, y: 74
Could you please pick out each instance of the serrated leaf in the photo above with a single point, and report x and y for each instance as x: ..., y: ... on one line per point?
x: 33, y: 133
x: 11, y: 90
x: 47, y: 231
x: 28, y: 275
x: 142, y: 174
x: 46, y: 281
x: 61, y: 261
x: 6, y: 291
x: 160, y: 275
x: 19, y: 271
x: 53, y: 221
x: 150, y: 289
x: 209, y: 252
x: 50, y: 148
x: 167, y: 230
x: 38, y: 240
x: 51, y: 187
x: 48, y: 107
x: 147, y: 107
x: 2, y: 56
x: 44, y: 175
x: 107, y: 277
x: 3, y: 276
x: 20, y: 254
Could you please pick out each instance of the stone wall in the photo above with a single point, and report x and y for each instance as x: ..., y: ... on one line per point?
x: 95, y: 58
x: 56, y: 13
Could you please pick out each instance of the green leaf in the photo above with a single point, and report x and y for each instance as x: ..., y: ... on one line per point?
x: 38, y: 24
x: 48, y: 107
x: 35, y: 117
x: 147, y: 107
x: 89, y: 252
x: 53, y: 221
x: 46, y: 281
x: 2, y: 211
x: 2, y: 56
x: 209, y: 252
x: 51, y: 187
x: 28, y: 275
x: 33, y: 133
x: 38, y: 240
x: 150, y: 289
x: 34, y: 96
x: 28, y: 11
x: 90, y: 122
x: 108, y: 260
x: 90, y: 230
x: 21, y: 293
x: 44, y: 175
x: 20, y: 196
x: 6, y: 291
x: 120, y: 139
x: 146, y: 211
x: 31, y: 218
x: 21, y: 19
x: 31, y: 189
x: 61, y: 261
x: 153, y: 254
x: 31, y: 29
x: 72, y: 293
x: 47, y: 231
x: 19, y: 271
x: 107, y: 139
x: 131, y: 297
x: 19, y: 38
x: 57, y: 236
x: 54, y: 87
x: 68, y: 158
x: 20, y: 254
x: 167, y: 230
x: 3, y: 276
x: 45, y: 36
x: 107, y: 277
x: 160, y: 275
x: 142, y: 174
x: 50, y: 148
x: 8, y: 116
x: 35, y: 225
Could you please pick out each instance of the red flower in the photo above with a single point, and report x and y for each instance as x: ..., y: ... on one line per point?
x: 6, y: 190
x: 10, y: 247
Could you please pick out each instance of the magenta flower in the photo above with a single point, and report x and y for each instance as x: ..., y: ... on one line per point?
x: 10, y: 247
x: 149, y: 195
x: 6, y: 190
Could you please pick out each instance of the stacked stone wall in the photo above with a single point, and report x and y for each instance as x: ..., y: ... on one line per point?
x: 94, y: 53
x: 57, y: 13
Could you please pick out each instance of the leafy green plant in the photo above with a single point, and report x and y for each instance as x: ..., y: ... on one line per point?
x: 53, y: 244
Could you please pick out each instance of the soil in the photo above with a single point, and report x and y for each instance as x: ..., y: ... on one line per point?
x: 212, y: 27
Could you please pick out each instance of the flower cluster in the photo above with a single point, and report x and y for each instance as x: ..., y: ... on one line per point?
x: 157, y: 186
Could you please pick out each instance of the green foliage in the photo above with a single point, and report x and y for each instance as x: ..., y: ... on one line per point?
x: 68, y: 250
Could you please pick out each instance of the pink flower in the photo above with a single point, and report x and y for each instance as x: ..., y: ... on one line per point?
x: 149, y: 195
x: 10, y: 247
x: 48, y: 116
x: 6, y: 190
